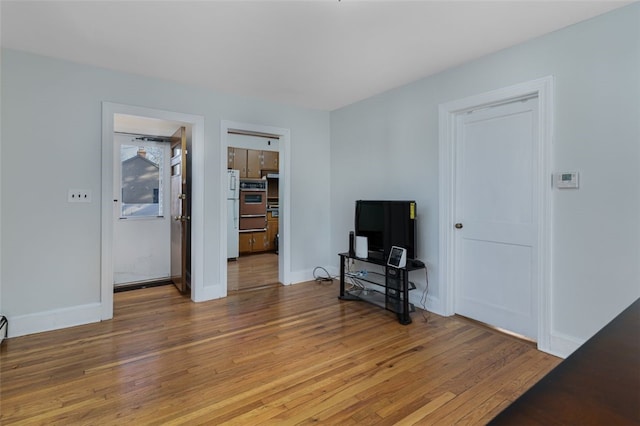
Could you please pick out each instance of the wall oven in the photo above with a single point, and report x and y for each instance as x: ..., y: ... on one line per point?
x: 253, y: 204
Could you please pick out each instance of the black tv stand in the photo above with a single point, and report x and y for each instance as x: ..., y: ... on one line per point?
x: 389, y: 290
x: 374, y: 257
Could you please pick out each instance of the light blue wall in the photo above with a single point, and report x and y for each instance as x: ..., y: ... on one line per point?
x: 382, y: 147
x: 51, y: 141
x: 387, y: 147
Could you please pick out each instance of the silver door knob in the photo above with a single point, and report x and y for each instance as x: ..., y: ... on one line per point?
x: 458, y: 226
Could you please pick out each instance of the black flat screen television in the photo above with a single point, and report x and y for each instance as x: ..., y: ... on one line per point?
x: 386, y: 224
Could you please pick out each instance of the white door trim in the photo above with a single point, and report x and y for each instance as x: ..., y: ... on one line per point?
x: 543, y: 89
x: 197, y: 199
x: 284, y: 187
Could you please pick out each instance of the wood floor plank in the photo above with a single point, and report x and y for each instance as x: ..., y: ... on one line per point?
x: 252, y: 271
x: 278, y: 355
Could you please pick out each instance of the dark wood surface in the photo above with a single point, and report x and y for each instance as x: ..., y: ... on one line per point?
x: 599, y: 384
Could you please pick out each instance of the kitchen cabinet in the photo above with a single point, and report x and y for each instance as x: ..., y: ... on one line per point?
x: 251, y: 162
x: 253, y: 242
x: 247, y: 161
x: 270, y: 160
x: 272, y: 230
x: 254, y: 162
x: 237, y: 160
x: 260, y: 241
x: 245, y: 242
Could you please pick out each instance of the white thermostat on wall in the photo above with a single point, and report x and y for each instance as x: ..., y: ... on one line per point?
x: 567, y: 180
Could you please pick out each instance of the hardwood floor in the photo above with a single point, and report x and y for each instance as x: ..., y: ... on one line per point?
x: 284, y: 355
x: 252, y: 271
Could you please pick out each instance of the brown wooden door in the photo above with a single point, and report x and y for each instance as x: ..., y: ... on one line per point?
x: 179, y: 209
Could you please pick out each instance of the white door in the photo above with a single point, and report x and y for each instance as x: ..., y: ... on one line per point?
x: 141, y: 229
x: 496, y: 214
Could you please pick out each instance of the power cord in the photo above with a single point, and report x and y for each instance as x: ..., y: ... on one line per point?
x: 4, y: 323
x: 352, y: 282
x: 423, y: 299
x: 322, y: 279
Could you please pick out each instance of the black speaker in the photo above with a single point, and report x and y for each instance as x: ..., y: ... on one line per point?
x: 352, y: 248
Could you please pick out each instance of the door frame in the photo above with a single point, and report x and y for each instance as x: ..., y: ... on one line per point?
x: 542, y: 89
x: 197, y: 202
x: 284, y: 188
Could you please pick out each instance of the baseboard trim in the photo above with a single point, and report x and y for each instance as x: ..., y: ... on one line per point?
x: 562, y: 345
x: 22, y: 325
x: 296, y: 277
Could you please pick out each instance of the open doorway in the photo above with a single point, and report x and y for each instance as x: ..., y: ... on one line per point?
x: 256, y: 220
x: 151, y: 203
x: 252, y: 210
x: 141, y: 225
x: 147, y: 124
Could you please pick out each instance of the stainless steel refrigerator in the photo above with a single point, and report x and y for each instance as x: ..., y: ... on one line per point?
x: 233, y: 212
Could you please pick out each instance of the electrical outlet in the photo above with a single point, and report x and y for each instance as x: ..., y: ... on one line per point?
x: 79, y: 196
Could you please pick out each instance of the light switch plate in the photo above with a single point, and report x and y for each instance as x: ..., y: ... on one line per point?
x: 79, y: 196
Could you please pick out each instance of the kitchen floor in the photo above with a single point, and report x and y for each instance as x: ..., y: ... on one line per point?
x: 252, y: 271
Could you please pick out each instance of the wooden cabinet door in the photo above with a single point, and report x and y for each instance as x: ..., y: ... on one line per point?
x: 272, y: 231
x: 260, y: 242
x: 268, y: 241
x: 254, y: 160
x: 230, y: 155
x: 245, y: 242
x: 239, y: 157
x: 269, y: 160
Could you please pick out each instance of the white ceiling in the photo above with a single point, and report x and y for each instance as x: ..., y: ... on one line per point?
x: 321, y: 54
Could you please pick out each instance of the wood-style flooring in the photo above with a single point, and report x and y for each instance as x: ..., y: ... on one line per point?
x: 279, y: 356
x: 252, y: 271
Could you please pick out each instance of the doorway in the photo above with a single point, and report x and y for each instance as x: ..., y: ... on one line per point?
x: 472, y: 185
x: 496, y: 216
x: 265, y: 139
x: 151, y: 202
x: 141, y: 228
x: 252, y: 210
x: 110, y: 207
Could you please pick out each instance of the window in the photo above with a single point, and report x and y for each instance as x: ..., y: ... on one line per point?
x: 142, y: 167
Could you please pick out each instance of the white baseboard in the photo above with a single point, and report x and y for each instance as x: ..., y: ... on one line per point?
x: 562, y: 345
x: 296, y: 277
x: 433, y: 303
x: 38, y: 322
